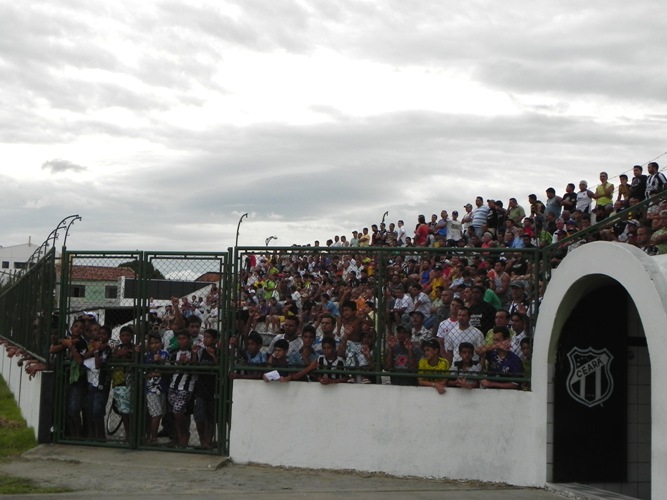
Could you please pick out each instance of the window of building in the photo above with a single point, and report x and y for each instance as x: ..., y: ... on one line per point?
x: 5, y: 264
x: 111, y: 292
x: 19, y: 265
x: 77, y: 291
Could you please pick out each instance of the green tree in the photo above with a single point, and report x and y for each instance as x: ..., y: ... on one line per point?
x: 153, y: 273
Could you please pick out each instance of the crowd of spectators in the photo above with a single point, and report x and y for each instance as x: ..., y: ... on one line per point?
x: 453, y: 306
x: 449, y: 308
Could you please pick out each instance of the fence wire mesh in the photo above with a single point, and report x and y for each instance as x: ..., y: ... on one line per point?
x: 399, y: 299
x: 146, y: 369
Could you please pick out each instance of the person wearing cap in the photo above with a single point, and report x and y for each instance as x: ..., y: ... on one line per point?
x: 433, y: 363
x: 454, y: 229
x: 571, y: 227
x: 518, y: 303
x: 629, y: 233
x: 436, y: 280
x: 466, y: 220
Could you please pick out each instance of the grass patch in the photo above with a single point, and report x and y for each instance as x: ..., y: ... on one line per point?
x: 15, y: 436
x: 10, y: 485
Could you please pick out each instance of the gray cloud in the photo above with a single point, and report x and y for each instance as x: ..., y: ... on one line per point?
x: 58, y: 165
x: 189, y: 185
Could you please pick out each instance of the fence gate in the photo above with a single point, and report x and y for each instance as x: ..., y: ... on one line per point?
x: 134, y: 294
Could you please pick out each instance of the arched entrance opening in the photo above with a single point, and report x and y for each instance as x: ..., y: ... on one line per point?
x: 602, y: 392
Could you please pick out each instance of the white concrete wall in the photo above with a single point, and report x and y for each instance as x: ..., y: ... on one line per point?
x: 478, y: 434
x: 645, y: 280
x: 27, y: 393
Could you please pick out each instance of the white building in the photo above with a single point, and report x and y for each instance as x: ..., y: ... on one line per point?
x: 14, y: 258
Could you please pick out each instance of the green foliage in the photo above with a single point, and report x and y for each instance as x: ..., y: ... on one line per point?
x: 15, y: 436
x: 10, y: 485
x: 152, y: 272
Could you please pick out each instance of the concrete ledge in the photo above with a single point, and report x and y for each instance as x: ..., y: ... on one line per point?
x: 580, y: 491
x: 127, y: 458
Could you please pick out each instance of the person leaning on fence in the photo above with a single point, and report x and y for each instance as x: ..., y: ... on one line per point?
x: 121, y: 377
x: 305, y: 356
x: 465, y: 367
x: 402, y: 356
x: 501, y: 362
x: 74, y: 347
x: 181, y: 389
x: 156, y: 385
x: 329, y: 360
x: 278, y: 359
x: 463, y: 331
x: 350, y: 347
x: 95, y: 361
x: 205, y: 387
x: 250, y: 356
x: 291, y: 335
x: 433, y: 363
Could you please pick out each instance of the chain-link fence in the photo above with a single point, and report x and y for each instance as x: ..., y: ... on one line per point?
x: 144, y: 368
x: 27, y: 307
x: 380, y: 303
x: 397, y: 297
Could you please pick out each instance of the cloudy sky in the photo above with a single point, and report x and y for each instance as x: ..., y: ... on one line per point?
x: 161, y: 123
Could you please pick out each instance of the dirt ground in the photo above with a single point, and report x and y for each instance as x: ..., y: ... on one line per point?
x: 101, y: 472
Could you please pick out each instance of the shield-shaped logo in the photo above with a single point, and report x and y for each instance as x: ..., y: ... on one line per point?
x: 590, y: 381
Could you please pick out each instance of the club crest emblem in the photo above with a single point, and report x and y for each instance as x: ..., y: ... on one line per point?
x: 590, y: 382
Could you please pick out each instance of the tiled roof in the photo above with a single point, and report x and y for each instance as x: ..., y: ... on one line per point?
x: 210, y: 277
x: 99, y: 273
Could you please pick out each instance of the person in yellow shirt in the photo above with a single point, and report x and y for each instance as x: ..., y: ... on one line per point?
x: 432, y: 363
x: 604, y: 193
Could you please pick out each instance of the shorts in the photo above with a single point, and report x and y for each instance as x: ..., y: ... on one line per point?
x: 204, y: 410
x: 75, y: 394
x: 122, y: 395
x: 180, y: 401
x: 156, y: 404
x: 97, y: 402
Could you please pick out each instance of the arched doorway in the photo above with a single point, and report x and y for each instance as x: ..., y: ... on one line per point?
x: 602, y: 393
